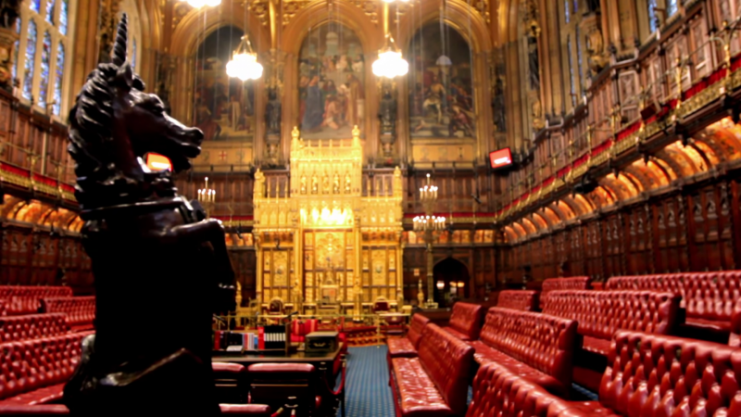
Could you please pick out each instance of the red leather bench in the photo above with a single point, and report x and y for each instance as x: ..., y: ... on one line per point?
x: 407, y: 346
x: 465, y: 322
x: 647, y: 375
x: 31, y: 326
x: 499, y: 392
x: 571, y: 283
x: 80, y: 311
x: 707, y: 297
x: 255, y: 410
x: 524, y: 300
x: 735, y: 339
x: 599, y: 314
x: 435, y: 383
x: 20, y: 299
x: 537, y: 347
x: 3, y: 308
x: 39, y: 369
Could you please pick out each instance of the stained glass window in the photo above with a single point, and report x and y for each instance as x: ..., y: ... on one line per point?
x: 652, y: 22
x: 569, y: 51
x: 133, y: 54
x: 566, y: 12
x: 58, y: 80
x: 579, y: 61
x: 15, y: 59
x: 671, y: 7
x: 45, y: 66
x: 63, y: 17
x: 30, y: 61
x: 50, y: 11
x: 40, y: 60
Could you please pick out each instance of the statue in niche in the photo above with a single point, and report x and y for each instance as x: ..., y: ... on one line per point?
x: 151, y: 250
x: 325, y: 183
x: 303, y: 184
x: 498, y: 107
x: 314, y: 184
x: 9, y: 12
x: 593, y: 6
x: 387, y: 112
x: 273, y: 113
x: 336, y: 184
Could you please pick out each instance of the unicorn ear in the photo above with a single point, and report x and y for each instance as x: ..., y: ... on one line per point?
x: 125, y: 76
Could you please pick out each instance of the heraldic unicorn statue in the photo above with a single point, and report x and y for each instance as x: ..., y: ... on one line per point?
x: 161, y: 268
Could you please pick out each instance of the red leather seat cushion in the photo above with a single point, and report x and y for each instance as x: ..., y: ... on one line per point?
x: 418, y: 395
x: 245, y: 410
x: 485, y: 355
x: 401, y: 347
x: 44, y: 395
x: 595, y: 345
x: 715, y: 325
x: 462, y: 336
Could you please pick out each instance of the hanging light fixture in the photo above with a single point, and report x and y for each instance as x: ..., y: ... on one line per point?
x: 244, y: 63
x: 390, y: 64
x: 203, y: 3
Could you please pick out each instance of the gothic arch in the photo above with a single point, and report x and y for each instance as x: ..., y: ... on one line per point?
x: 458, y: 16
x: 194, y: 28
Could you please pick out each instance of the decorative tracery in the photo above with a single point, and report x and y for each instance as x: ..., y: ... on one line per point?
x: 43, y: 29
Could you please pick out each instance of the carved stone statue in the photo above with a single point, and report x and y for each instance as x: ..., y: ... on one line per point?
x: 152, y: 253
x: 387, y: 113
x: 9, y: 11
x: 273, y: 113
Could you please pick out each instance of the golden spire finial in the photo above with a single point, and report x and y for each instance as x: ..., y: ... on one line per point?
x: 295, y: 143
x: 356, y: 136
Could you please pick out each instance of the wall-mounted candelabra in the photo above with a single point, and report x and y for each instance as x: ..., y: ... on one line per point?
x: 428, y: 224
x: 207, y: 197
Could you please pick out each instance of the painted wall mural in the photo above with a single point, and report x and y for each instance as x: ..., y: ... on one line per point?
x: 331, y: 83
x: 224, y: 107
x: 441, y: 103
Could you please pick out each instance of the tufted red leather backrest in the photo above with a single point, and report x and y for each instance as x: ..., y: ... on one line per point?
x: 651, y: 375
x: 3, y: 308
x: 524, y: 300
x: 498, y: 392
x: 466, y: 318
x: 24, y: 299
x: 600, y: 313
x: 33, y: 364
x: 544, y: 342
x: 448, y: 362
x: 416, y: 326
x: 705, y: 295
x: 571, y: 283
x: 79, y: 310
x: 31, y: 326
x: 735, y: 339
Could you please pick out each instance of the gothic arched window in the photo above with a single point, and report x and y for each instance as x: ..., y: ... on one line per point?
x: 572, y: 52
x: 40, y: 53
x: 130, y: 8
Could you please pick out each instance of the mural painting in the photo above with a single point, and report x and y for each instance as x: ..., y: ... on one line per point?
x: 331, y: 83
x: 441, y: 103
x: 224, y: 107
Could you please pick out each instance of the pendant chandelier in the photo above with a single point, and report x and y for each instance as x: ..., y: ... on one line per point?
x: 390, y: 64
x: 244, y: 63
x: 203, y: 3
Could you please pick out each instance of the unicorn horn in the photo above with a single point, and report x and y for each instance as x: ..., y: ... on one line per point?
x: 118, y: 55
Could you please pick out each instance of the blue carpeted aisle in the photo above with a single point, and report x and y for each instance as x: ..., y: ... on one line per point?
x: 367, y: 391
